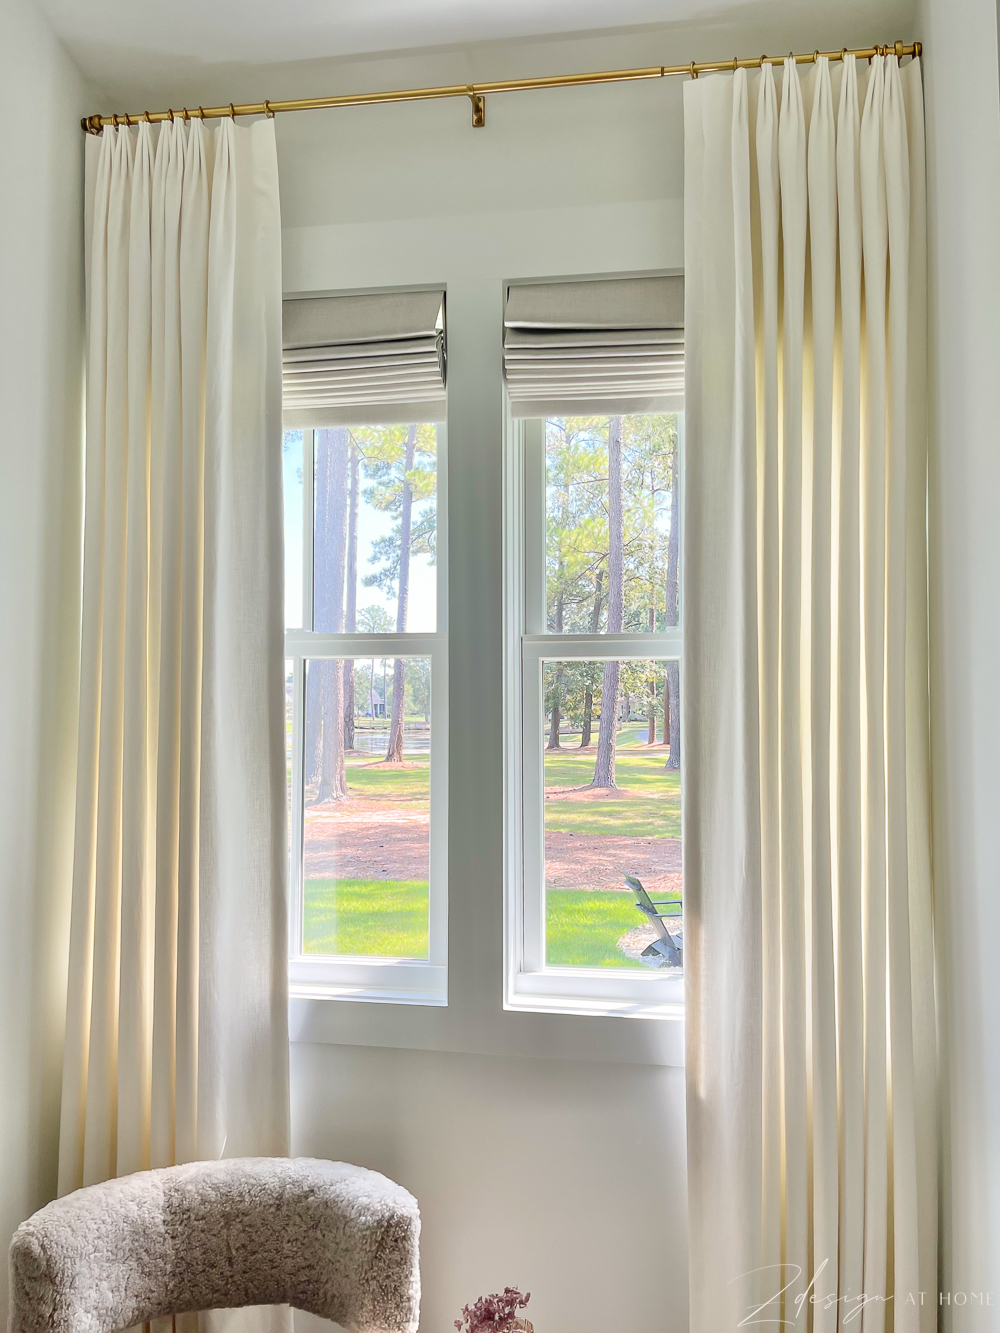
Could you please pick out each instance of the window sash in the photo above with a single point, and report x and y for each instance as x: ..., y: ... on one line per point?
x: 529, y: 982
x: 366, y: 977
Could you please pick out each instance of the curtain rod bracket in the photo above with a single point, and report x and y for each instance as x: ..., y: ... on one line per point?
x: 478, y: 109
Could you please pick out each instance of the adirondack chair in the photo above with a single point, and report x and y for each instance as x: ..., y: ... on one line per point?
x: 666, y: 945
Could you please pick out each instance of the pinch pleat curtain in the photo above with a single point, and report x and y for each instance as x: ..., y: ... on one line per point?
x: 176, y: 1036
x: 810, y: 1006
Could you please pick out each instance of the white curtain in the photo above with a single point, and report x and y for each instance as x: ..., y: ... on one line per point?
x: 176, y: 1041
x: 811, y: 1105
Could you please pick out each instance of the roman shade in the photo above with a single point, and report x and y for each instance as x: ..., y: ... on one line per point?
x: 348, y: 360
x: 608, y: 346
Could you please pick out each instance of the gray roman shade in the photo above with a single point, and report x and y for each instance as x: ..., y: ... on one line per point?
x: 350, y: 360
x: 609, y: 346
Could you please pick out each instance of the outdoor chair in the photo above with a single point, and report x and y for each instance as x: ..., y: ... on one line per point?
x: 335, y: 1240
x: 666, y: 945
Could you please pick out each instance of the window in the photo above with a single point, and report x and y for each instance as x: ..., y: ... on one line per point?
x: 366, y: 685
x: 593, y: 696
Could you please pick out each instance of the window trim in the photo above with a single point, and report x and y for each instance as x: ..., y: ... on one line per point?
x: 528, y: 983
x: 356, y: 977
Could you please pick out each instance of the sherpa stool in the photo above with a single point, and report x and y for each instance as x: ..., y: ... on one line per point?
x: 336, y: 1240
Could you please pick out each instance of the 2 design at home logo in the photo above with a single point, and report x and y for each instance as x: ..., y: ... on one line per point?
x: 781, y: 1303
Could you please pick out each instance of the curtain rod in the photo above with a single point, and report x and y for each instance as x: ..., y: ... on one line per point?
x: 477, y: 92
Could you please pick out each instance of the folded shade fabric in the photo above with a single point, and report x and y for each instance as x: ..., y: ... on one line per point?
x: 351, y: 360
x: 609, y: 346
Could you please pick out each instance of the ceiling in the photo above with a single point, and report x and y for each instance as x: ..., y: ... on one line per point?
x: 262, y: 31
x: 143, y: 49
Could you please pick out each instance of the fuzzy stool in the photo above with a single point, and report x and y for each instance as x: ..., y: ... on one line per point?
x: 336, y: 1240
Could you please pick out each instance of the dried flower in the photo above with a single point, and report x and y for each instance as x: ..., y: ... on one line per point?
x: 496, y: 1313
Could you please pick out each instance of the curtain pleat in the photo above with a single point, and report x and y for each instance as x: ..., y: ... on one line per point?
x: 807, y: 890
x: 176, y: 1027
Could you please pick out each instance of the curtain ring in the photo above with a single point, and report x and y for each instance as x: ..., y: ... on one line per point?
x: 816, y: 56
x: 762, y: 62
x: 735, y: 64
x: 170, y: 115
x: 267, y: 110
x: 145, y: 116
x: 114, y: 120
x: 844, y: 53
x: 232, y: 112
x: 694, y: 72
x: 201, y: 112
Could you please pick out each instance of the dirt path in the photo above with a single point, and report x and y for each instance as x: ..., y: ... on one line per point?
x: 593, y: 861
x: 380, y: 839
x: 367, y: 839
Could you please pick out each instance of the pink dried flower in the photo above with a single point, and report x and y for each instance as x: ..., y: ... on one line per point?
x: 496, y: 1313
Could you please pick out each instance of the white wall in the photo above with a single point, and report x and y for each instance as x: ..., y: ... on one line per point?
x: 563, y: 1177
x: 963, y: 153
x: 41, y: 316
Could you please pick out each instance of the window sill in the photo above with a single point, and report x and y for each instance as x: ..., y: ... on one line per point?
x: 593, y: 992
x: 530, y: 1027
x: 368, y: 980
x: 364, y: 994
x: 595, y: 1008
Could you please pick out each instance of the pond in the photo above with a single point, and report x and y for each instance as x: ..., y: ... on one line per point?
x: 375, y: 740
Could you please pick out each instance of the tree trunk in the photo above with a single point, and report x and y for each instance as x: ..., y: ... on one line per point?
x: 651, y: 713
x: 556, y: 717
x: 604, y: 769
x: 314, y: 722
x: 672, y: 690
x: 588, y: 717
x: 394, y: 754
x: 332, y: 469
x: 588, y: 694
x: 351, y: 606
x: 651, y: 705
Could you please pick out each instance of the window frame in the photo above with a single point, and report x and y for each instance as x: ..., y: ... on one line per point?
x: 361, y: 977
x: 529, y: 982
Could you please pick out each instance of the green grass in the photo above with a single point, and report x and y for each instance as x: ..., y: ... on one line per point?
x: 388, y: 919
x: 654, y: 811
x: 583, y: 927
x: 384, y: 918
x: 370, y: 777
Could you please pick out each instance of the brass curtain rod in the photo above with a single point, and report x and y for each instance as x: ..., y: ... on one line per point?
x: 476, y: 92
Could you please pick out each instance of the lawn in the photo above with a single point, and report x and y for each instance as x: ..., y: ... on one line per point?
x: 410, y: 781
x: 583, y: 926
x: 375, y: 917
x: 651, y: 809
x: 388, y: 918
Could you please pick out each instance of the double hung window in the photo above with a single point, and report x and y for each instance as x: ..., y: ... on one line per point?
x: 594, y: 476
x: 366, y: 646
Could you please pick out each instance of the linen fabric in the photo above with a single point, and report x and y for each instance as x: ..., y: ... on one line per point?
x: 336, y: 1240
x: 370, y: 358
x: 176, y: 1036
x: 610, y: 346
x: 810, y: 1006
